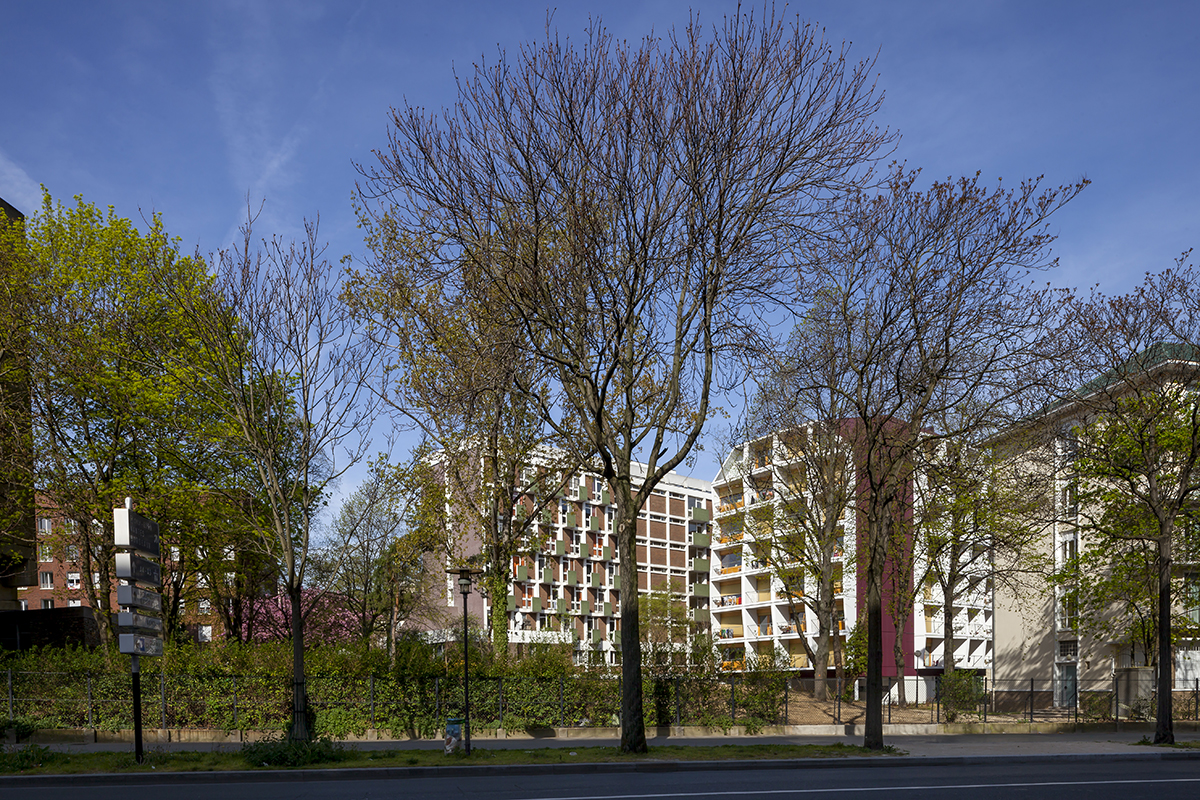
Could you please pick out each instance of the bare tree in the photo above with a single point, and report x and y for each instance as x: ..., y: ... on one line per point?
x: 293, y: 371
x: 634, y: 207
x: 813, y: 482
x: 927, y: 297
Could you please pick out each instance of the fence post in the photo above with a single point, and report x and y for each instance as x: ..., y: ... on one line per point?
x: 437, y: 699
x: 937, y: 693
x: 891, y: 685
x: 562, y: 706
x: 1031, y: 701
x: 677, y: 718
x: 1196, y: 698
x: 91, y: 722
x: 162, y: 685
x: 732, y: 699
x: 985, y: 697
x: 786, y: 687
x: 500, y: 699
x: 372, y: 700
x: 839, y: 699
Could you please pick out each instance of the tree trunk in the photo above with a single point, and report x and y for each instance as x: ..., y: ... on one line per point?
x: 498, y: 583
x: 633, y: 729
x: 873, y: 734
x: 821, y: 664
x: 901, y: 664
x: 879, y: 534
x: 1164, y: 728
x: 947, y: 631
x: 300, y: 730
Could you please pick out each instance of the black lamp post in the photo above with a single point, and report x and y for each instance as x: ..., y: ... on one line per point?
x: 465, y: 575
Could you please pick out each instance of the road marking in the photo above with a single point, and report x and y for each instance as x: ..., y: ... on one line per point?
x: 844, y: 789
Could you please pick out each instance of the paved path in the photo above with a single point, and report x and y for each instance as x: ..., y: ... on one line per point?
x: 996, y: 744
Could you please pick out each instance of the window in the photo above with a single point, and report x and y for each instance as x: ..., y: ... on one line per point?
x: 47, y: 604
x: 44, y: 526
x: 1068, y: 551
x: 1068, y: 650
x: 204, y: 607
x: 204, y: 633
x: 73, y: 581
x: 45, y: 552
x: 72, y: 553
x: 74, y: 603
x: 95, y: 580
x: 24, y: 605
x: 46, y: 580
x: 1068, y: 609
x: 174, y: 553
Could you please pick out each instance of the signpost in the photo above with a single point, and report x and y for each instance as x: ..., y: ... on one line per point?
x: 141, y: 635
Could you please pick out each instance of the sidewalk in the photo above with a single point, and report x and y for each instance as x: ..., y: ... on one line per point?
x: 1007, y: 745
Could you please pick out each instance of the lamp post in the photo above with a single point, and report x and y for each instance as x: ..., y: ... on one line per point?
x: 465, y: 575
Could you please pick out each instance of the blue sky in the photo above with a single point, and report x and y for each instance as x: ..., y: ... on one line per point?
x: 188, y: 108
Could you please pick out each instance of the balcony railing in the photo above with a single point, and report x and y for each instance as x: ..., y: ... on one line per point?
x: 727, y: 600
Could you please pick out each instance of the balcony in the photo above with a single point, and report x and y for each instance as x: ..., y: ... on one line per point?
x: 727, y: 600
x: 732, y: 569
x: 729, y: 633
x: 701, y: 565
x: 701, y: 539
x: 700, y: 515
x: 731, y: 537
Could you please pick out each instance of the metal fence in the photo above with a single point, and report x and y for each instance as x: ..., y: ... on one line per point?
x: 419, y: 706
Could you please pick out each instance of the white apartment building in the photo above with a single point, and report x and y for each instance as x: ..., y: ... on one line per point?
x: 752, y: 615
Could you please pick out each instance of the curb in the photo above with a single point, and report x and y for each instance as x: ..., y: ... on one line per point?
x: 488, y: 770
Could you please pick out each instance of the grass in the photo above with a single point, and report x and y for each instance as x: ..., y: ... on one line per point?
x: 36, y: 760
x: 1188, y: 745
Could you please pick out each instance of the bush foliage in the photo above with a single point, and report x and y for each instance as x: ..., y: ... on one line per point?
x: 232, y: 686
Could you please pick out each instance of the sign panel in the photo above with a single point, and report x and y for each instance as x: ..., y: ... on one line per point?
x: 140, y: 622
x: 135, y: 532
x: 137, y: 597
x: 132, y: 567
x: 135, y: 644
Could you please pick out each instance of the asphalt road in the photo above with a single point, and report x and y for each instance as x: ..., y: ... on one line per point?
x: 1061, y: 780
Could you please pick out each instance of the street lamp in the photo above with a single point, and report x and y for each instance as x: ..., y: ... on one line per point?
x: 465, y: 575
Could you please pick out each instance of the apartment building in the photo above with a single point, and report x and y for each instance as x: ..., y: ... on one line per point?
x: 61, y: 577
x: 760, y: 483
x: 565, y: 583
x: 1039, y: 634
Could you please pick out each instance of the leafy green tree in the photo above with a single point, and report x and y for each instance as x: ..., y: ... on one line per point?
x: 118, y: 406
x: 460, y: 375
x: 16, y: 425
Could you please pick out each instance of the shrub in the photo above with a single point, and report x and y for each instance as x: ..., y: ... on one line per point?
x: 961, y: 692
x: 284, y: 753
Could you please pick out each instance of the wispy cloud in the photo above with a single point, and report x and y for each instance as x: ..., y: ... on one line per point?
x: 17, y: 187
x: 251, y: 85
